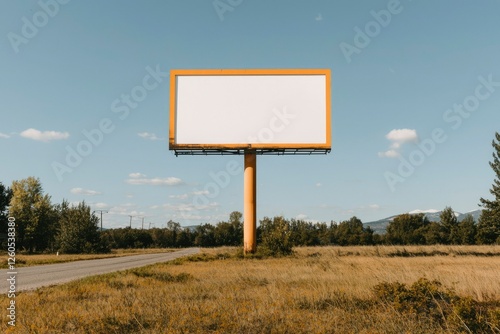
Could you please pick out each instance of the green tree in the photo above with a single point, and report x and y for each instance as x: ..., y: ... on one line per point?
x: 235, y: 217
x: 324, y: 236
x: 36, y: 219
x: 407, y: 229
x: 435, y: 234
x: 184, y: 238
x: 303, y: 233
x: 173, y: 229
x: 122, y: 237
x: 467, y: 231
x: 142, y: 238
x: 449, y: 222
x: 230, y: 233
x: 205, y: 235
x: 275, y: 234
x: 488, y: 229
x: 79, y: 230
x: 159, y: 237
x: 352, y: 232
x: 5, y: 196
x: 236, y: 220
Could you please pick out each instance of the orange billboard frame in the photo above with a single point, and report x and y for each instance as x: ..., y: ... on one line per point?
x: 180, y: 96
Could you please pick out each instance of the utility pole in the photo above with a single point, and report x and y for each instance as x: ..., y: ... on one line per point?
x: 130, y: 220
x: 143, y: 223
x: 101, y: 211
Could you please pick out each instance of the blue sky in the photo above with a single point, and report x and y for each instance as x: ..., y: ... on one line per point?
x: 415, y: 104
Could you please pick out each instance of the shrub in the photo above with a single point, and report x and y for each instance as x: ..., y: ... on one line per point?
x: 430, y: 300
x: 161, y: 276
x: 275, y: 237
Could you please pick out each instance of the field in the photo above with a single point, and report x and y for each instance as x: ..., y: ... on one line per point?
x: 317, y: 290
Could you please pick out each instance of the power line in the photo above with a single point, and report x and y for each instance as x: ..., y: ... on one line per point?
x: 101, y: 211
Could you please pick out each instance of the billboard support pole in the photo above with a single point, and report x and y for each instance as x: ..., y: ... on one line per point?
x: 250, y: 204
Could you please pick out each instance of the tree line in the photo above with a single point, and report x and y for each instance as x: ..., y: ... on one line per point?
x: 44, y: 227
x: 281, y: 233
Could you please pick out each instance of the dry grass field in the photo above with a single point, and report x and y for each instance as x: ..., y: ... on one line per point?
x: 317, y: 290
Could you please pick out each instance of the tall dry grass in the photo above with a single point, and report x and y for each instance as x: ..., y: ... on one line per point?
x: 318, y: 290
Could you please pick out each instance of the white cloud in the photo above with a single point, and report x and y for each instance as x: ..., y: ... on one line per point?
x: 402, y: 135
x: 306, y: 218
x: 388, y: 154
x: 44, y: 136
x: 318, y: 184
x: 157, y: 181
x: 3, y: 135
x: 193, y: 217
x: 123, y: 209
x: 374, y: 206
x: 181, y: 196
x: 137, y: 214
x: 189, y: 207
x: 136, y: 175
x: 100, y: 205
x: 398, y: 137
x: 319, y: 17
x: 150, y: 136
x: 395, y: 145
x: 423, y: 211
x: 201, y: 192
x: 81, y: 191
x: 194, y: 193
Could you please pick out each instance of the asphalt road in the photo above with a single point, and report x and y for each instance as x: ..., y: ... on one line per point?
x: 30, y: 278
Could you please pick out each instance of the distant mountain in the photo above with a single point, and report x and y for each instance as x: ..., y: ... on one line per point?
x: 379, y: 226
x: 191, y: 228
x: 475, y: 214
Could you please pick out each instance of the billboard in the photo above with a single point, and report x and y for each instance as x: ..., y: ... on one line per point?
x: 255, y: 110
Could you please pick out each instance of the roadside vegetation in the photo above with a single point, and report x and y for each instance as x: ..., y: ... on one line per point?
x: 363, y: 289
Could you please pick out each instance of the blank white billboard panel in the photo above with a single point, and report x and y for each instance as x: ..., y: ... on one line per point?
x: 250, y: 109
